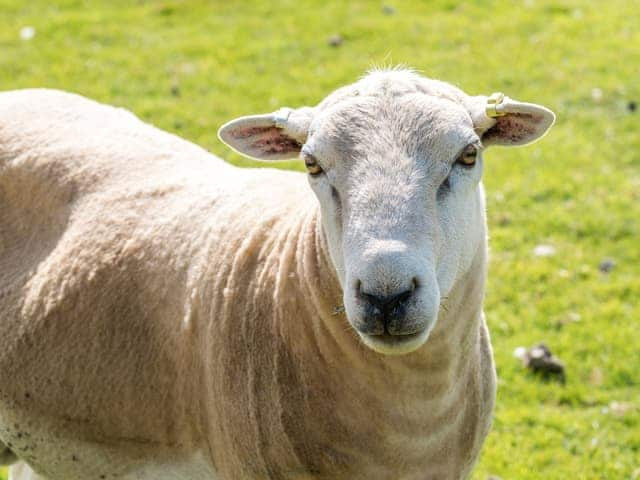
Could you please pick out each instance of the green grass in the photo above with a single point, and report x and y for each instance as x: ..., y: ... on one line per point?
x: 578, y: 189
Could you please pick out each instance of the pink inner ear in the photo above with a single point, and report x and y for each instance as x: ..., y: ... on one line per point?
x: 514, y: 128
x: 268, y: 140
x: 248, y: 132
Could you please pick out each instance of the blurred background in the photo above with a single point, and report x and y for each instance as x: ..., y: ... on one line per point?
x: 564, y: 213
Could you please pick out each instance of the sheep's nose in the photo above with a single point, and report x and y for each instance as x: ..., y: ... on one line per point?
x: 385, y: 313
x: 387, y: 302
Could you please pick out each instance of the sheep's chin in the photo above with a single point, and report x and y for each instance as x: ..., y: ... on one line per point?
x: 395, y: 345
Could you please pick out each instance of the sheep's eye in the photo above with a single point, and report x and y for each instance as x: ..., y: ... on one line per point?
x: 312, y: 165
x: 468, y: 156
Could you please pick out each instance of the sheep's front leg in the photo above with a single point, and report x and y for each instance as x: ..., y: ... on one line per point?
x: 22, y: 471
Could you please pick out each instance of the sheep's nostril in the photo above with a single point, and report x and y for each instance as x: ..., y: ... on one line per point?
x: 388, y: 302
x: 403, y: 297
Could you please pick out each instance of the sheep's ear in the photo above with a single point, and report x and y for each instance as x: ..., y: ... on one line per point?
x: 273, y: 136
x: 504, y: 121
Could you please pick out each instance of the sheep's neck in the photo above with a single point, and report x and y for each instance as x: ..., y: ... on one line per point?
x: 359, y: 405
x: 296, y: 380
x: 451, y: 343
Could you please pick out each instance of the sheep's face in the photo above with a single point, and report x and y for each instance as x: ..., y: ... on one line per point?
x: 395, y: 161
x: 398, y: 180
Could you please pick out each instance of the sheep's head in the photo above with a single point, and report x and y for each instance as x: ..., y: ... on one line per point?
x: 395, y: 161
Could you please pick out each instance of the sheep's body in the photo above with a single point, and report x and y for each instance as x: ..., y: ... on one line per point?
x: 166, y: 315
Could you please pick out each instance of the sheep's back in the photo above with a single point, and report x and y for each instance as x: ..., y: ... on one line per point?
x: 104, y: 223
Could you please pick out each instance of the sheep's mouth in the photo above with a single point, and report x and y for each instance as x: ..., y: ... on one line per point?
x: 395, y: 344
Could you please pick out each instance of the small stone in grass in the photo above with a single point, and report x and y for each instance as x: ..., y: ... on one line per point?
x: 596, y: 94
x: 606, y: 265
x: 335, y: 40
x: 520, y: 353
x: 574, y: 316
x: 539, y: 359
x: 27, y: 33
x: 544, y: 250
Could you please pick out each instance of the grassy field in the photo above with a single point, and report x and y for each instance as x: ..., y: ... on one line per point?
x: 189, y: 66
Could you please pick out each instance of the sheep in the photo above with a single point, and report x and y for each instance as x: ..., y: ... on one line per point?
x: 167, y: 315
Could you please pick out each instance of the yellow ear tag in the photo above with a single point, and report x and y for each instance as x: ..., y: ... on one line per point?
x: 492, y: 103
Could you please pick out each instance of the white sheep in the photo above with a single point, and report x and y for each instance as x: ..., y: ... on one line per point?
x: 165, y: 315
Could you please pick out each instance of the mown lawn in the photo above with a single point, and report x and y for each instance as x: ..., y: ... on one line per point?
x: 188, y: 66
